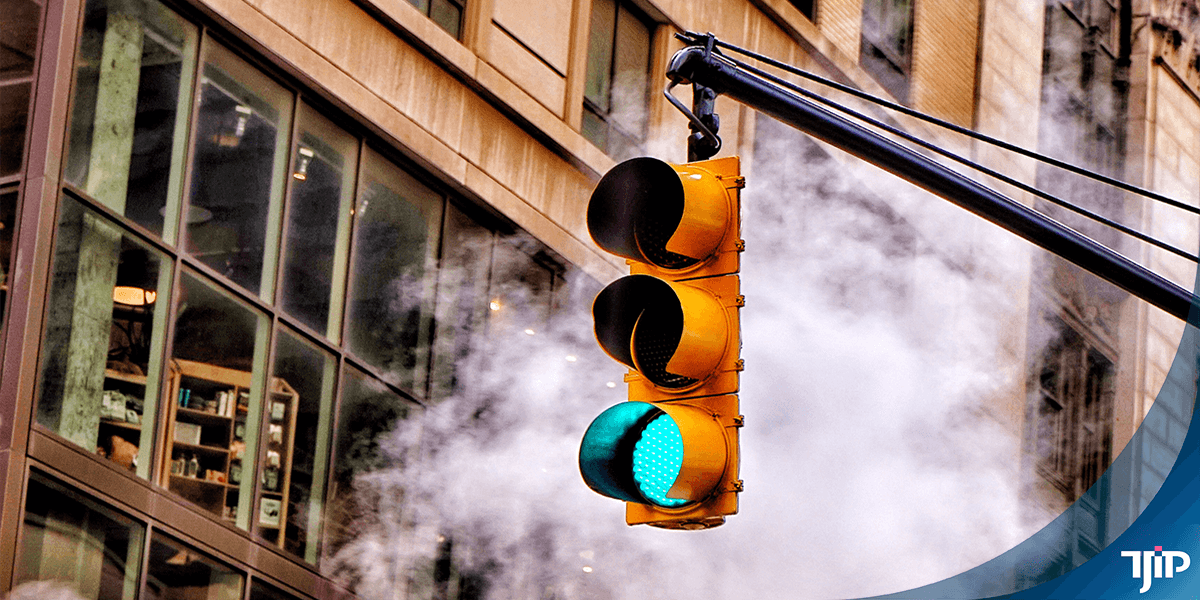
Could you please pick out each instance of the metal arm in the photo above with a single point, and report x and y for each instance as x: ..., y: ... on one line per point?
x: 700, y: 66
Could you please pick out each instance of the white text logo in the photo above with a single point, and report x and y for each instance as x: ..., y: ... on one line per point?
x: 1157, y: 564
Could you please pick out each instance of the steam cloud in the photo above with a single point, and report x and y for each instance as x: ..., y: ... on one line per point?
x: 874, y: 455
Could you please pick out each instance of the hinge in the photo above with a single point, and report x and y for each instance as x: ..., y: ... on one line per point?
x: 739, y: 421
x: 740, y: 245
x: 740, y: 365
x: 737, y: 486
x: 739, y: 301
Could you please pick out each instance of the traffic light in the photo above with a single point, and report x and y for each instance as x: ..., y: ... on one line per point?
x: 671, y: 451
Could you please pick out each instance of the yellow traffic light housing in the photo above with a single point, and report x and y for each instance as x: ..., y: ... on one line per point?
x: 672, y: 452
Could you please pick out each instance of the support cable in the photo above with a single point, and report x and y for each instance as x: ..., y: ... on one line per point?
x: 964, y: 161
x: 692, y: 38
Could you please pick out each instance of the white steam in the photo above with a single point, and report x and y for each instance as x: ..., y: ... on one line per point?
x: 875, y: 458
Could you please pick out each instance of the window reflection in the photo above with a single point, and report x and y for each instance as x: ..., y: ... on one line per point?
x: 391, y: 296
x: 213, y: 403
x: 74, y: 540
x: 101, y: 360
x: 22, y: 20
x: 318, y: 223
x: 8, y: 224
x: 299, y: 423
x: 132, y: 90
x: 520, y: 291
x: 462, y: 303
x: 237, y: 172
x: 177, y: 572
x: 367, y: 416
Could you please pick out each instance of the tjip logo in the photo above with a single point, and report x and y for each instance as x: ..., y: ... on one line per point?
x: 1157, y: 564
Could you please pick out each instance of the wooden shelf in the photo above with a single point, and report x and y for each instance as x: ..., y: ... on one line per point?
x: 201, y: 448
x: 198, y: 481
x: 126, y: 377
x: 121, y: 424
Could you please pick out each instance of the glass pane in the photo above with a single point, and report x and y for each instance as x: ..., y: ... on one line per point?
x: 521, y: 290
x: 71, y: 539
x: 447, y: 15
x: 600, y: 51
x: 595, y: 129
x: 390, y: 310
x: 18, y: 48
x: 462, y: 303
x: 101, y: 357
x: 8, y: 224
x: 263, y: 591
x: 368, y: 416
x: 177, y: 572
x: 214, y: 407
x: 318, y: 231
x: 299, y: 423
x: 238, y: 170
x: 133, y: 78
x: 631, y: 72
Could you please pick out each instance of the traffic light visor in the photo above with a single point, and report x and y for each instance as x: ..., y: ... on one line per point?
x: 674, y: 334
x: 671, y: 216
x: 663, y: 455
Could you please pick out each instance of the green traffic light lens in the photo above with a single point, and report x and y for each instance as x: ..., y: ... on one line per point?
x: 657, y: 459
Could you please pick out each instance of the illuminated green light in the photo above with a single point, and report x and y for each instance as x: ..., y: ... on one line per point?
x: 657, y: 458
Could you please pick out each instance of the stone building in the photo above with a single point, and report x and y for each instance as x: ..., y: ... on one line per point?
x: 242, y: 239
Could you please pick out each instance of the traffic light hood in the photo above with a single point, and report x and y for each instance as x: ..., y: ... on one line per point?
x: 674, y: 334
x: 671, y: 216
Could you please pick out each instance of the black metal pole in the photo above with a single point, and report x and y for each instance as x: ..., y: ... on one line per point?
x: 696, y: 66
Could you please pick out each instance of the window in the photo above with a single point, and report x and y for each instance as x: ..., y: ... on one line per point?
x: 243, y: 304
x: 617, y: 89
x: 213, y: 400
x: 1073, y: 413
x: 238, y: 170
x: 886, y: 51
x: 70, y: 539
x: 318, y: 223
x: 106, y: 317
x: 390, y: 303
x: 175, y: 571
x: 299, y: 426
x: 129, y: 118
x: 808, y: 8
x: 447, y: 14
x: 19, y: 43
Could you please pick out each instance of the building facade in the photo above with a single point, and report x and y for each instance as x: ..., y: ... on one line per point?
x: 243, y: 239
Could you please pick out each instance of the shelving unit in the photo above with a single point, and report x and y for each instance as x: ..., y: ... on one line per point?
x: 274, y: 486
x: 200, y: 434
x: 205, y: 435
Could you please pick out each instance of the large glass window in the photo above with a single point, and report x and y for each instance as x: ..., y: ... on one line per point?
x: 191, y: 254
x: 886, y: 53
x: 214, y: 401
x: 242, y: 134
x: 133, y: 79
x: 390, y: 309
x: 299, y: 425
x: 324, y: 162
x: 71, y: 539
x: 176, y: 572
x: 8, y: 224
x: 367, y: 416
x: 18, y: 56
x: 462, y: 303
x: 446, y: 13
x: 617, y: 89
x: 101, y: 358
